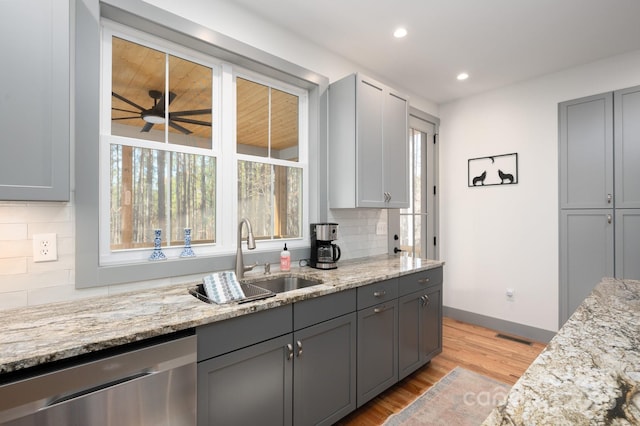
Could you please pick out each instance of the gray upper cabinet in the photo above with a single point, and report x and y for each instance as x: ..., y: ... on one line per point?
x: 627, y: 148
x: 368, y: 145
x: 586, y: 152
x: 34, y: 101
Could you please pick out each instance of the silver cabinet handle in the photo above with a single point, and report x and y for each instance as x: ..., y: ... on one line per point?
x: 290, y: 349
x: 299, y: 344
x: 609, y: 218
x: 609, y: 198
x: 425, y: 300
x: 379, y: 309
x: 423, y: 280
x: 379, y: 293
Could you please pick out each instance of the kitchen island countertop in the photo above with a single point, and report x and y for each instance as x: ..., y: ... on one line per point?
x: 589, y: 374
x: 35, y: 335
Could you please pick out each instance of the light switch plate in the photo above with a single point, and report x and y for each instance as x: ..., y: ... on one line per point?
x: 45, y: 247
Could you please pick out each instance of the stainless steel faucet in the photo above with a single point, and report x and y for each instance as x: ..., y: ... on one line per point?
x: 251, y: 244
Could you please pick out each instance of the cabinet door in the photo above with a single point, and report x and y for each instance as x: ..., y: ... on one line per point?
x: 34, y: 100
x: 586, y: 152
x: 250, y: 386
x: 628, y: 244
x: 377, y: 350
x: 324, y: 371
x: 409, y: 359
x: 431, y: 323
x: 369, y: 115
x: 586, y: 255
x: 420, y: 329
x: 396, y: 150
x: 627, y: 148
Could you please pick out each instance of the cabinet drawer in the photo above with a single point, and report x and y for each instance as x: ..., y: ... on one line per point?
x: 313, y: 311
x: 235, y: 333
x: 420, y: 280
x: 375, y: 293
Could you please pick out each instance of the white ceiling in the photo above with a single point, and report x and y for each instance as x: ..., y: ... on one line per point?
x: 498, y: 42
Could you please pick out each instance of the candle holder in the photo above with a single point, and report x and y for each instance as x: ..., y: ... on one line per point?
x: 157, y: 250
x: 187, y: 252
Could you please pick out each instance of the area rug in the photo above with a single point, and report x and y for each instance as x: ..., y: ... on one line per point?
x: 462, y: 397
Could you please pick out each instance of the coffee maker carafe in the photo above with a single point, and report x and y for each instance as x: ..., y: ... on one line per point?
x: 324, y: 254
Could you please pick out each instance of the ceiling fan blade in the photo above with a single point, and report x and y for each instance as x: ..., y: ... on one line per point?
x: 180, y: 128
x: 123, y: 99
x: 147, y: 127
x: 125, y: 118
x: 126, y: 110
x: 188, y: 120
x: 190, y: 112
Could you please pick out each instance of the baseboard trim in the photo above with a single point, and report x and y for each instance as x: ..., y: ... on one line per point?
x: 533, y: 333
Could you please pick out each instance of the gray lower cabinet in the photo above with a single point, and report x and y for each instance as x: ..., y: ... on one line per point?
x: 324, y: 377
x: 627, y: 243
x: 377, y: 338
x: 586, y: 253
x: 274, y: 368
x: 250, y: 386
x: 34, y: 100
x: 420, y: 329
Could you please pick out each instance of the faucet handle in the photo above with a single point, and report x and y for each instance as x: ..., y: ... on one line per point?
x: 250, y: 267
x: 267, y: 268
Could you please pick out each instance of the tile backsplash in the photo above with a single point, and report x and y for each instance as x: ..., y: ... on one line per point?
x: 23, y: 282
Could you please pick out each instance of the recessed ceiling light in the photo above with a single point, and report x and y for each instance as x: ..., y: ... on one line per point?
x: 462, y: 76
x: 400, y: 32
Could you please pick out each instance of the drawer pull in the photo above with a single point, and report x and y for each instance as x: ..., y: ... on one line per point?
x: 380, y: 293
x: 423, y: 280
x: 379, y: 309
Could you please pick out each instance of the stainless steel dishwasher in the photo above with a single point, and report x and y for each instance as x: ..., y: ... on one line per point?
x: 148, y: 384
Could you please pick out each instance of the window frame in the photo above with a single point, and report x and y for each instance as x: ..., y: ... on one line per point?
x: 160, y: 23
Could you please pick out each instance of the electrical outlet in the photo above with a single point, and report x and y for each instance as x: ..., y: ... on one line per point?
x: 510, y: 293
x: 381, y: 228
x: 45, y: 248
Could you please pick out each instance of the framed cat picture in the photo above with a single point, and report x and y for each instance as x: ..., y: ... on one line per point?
x: 493, y: 170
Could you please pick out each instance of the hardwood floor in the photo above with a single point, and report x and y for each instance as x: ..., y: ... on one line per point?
x: 469, y: 346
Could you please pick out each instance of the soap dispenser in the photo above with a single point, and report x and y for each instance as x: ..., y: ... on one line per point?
x: 285, y: 260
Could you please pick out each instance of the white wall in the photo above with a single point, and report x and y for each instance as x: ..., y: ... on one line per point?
x: 23, y: 282
x: 501, y: 237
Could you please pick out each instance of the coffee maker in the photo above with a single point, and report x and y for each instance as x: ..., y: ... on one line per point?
x: 324, y: 254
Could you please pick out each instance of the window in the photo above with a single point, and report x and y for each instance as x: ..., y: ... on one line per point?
x: 167, y: 140
x: 270, y: 176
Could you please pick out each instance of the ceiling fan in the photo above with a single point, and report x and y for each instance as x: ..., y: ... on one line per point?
x: 156, y: 114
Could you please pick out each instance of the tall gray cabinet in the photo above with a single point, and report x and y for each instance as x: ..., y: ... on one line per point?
x: 599, y: 169
x: 34, y: 100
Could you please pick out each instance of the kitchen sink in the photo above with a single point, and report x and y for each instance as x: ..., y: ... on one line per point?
x: 282, y: 284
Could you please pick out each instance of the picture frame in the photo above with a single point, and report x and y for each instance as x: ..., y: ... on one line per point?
x: 493, y: 170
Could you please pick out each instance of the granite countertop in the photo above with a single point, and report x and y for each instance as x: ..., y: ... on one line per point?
x: 38, y: 334
x: 589, y: 374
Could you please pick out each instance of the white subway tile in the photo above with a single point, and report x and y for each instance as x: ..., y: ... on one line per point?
x: 13, y: 266
x: 13, y: 231
x: 14, y: 299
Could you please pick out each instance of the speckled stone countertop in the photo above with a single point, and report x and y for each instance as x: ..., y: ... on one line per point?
x: 35, y: 335
x: 589, y: 374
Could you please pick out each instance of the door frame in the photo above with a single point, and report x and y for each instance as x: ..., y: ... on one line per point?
x: 426, y: 123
